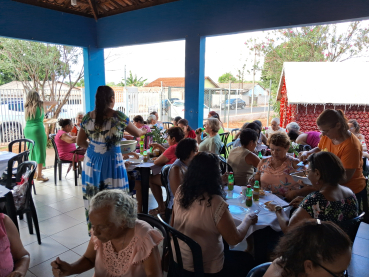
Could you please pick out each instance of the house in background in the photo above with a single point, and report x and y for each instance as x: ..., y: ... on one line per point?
x: 245, y: 89
x: 179, y: 82
x: 334, y: 86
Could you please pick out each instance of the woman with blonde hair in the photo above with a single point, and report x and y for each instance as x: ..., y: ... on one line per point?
x: 35, y: 130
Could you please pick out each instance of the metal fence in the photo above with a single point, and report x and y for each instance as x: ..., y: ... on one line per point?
x: 12, y: 117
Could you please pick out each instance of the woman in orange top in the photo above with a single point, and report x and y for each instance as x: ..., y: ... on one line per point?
x: 337, y: 139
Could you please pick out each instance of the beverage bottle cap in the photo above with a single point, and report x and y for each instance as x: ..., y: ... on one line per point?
x: 248, y: 186
x: 145, y: 153
x: 231, y: 173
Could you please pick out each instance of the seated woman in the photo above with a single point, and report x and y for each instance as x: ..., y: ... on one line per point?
x: 262, y: 141
x: 175, y: 121
x: 77, y: 126
x: 189, y: 133
x: 140, y: 124
x: 175, y: 135
x: 242, y: 159
x: 120, y: 244
x: 312, y: 249
x: 274, y: 127
x: 212, y: 143
x: 185, y: 151
x: 293, y: 126
x: 273, y: 173
x: 329, y: 202
x: 311, y: 138
x: 66, y: 143
x: 213, y: 114
x: 252, y: 126
x: 200, y: 211
x: 14, y: 258
x: 355, y: 129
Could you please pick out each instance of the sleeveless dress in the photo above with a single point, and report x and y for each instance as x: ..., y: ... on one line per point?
x: 35, y: 131
x: 128, y: 262
x: 103, y: 166
x: 241, y: 170
x: 6, y: 258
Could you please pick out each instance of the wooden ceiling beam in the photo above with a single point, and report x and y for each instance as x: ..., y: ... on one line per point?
x: 140, y: 5
x: 93, y: 8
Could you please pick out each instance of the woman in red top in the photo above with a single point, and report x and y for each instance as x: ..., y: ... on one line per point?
x: 189, y: 133
x: 175, y: 135
x: 77, y: 126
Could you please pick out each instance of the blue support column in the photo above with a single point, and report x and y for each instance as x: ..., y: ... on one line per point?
x: 94, y: 74
x: 194, y: 80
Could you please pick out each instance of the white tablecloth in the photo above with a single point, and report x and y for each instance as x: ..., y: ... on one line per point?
x: 5, y: 156
x: 266, y: 217
x: 3, y: 191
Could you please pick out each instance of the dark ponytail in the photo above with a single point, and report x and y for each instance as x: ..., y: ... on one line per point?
x: 64, y: 122
x: 102, y: 102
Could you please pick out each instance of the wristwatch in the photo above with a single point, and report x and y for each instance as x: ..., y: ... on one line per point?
x: 277, y: 208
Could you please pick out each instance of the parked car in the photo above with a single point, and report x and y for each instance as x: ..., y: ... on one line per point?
x: 165, y: 104
x: 177, y: 109
x: 233, y: 103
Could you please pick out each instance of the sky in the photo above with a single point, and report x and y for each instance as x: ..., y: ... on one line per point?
x: 223, y: 54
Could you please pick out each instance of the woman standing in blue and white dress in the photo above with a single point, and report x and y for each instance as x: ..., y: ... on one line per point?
x: 103, y: 164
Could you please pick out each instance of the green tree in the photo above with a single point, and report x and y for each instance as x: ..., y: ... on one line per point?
x: 112, y: 84
x: 80, y: 83
x: 226, y: 77
x: 42, y: 67
x: 133, y: 81
x: 323, y: 43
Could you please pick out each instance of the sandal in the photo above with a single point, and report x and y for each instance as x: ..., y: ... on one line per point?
x: 42, y: 179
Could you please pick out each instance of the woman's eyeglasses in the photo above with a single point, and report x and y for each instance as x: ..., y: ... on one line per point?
x: 343, y: 274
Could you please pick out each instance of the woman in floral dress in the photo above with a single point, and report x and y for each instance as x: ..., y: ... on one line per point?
x: 329, y: 202
x: 103, y: 166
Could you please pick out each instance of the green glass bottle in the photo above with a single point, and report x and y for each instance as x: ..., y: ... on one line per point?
x: 230, y: 181
x: 256, y: 191
x: 142, y: 138
x: 248, y: 196
x: 260, y: 155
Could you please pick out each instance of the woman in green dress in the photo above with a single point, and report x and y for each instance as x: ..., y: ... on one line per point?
x: 35, y: 130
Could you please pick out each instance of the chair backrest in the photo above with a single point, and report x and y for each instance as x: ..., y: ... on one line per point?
x: 224, y: 137
x: 22, y: 168
x: 28, y: 144
x: 259, y: 271
x: 52, y: 138
x: 164, y: 181
x: 193, y: 245
x: 234, y: 132
x: 228, y: 149
x: 224, y: 166
x: 352, y: 225
x: 155, y: 223
x: 167, y: 125
x: 19, y: 159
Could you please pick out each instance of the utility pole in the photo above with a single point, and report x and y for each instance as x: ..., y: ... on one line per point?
x: 229, y: 102
x: 125, y: 88
x: 253, y: 79
x: 270, y: 92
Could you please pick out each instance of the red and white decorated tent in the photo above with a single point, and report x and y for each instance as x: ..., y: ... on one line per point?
x: 307, y: 88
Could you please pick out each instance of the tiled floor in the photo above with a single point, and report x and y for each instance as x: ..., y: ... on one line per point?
x: 62, y: 223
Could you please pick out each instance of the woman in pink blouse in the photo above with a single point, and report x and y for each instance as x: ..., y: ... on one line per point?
x: 201, y: 212
x: 274, y: 172
x: 120, y: 244
x: 14, y: 259
x: 65, y: 142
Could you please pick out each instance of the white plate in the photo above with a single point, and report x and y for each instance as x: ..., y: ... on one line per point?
x: 301, y: 176
x: 237, y: 209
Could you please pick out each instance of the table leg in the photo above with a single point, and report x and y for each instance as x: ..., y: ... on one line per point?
x: 145, y: 176
x: 10, y: 208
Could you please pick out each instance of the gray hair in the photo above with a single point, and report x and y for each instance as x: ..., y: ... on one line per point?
x: 293, y: 126
x: 151, y: 118
x: 124, y: 207
x: 276, y: 119
x: 79, y: 113
x: 214, y: 124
